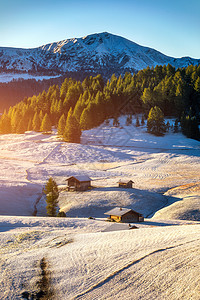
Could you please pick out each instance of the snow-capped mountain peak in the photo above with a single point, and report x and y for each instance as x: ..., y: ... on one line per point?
x: 103, y: 53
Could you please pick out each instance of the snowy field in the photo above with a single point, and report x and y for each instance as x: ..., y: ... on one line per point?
x: 76, y: 260
x: 7, y: 77
x: 74, y: 256
x: 107, y: 155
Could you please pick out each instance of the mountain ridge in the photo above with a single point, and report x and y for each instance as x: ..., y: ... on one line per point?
x: 103, y: 53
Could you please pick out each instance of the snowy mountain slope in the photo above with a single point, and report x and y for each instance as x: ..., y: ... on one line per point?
x: 103, y: 53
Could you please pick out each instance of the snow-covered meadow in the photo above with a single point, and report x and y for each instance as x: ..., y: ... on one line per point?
x: 76, y: 260
x: 7, y: 77
x: 79, y: 260
x: 106, y: 154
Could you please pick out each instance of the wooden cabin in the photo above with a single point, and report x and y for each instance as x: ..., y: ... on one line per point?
x: 125, y: 184
x: 124, y: 215
x: 78, y: 183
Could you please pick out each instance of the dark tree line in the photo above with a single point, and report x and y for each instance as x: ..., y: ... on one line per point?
x: 16, y: 90
x: 76, y: 105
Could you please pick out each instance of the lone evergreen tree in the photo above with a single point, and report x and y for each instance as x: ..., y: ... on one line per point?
x: 52, y: 194
x: 155, y: 121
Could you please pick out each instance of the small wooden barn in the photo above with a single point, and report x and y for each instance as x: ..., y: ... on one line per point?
x: 78, y: 183
x: 124, y: 215
x: 125, y: 184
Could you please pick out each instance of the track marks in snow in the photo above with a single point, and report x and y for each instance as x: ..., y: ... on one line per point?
x: 29, y: 179
x: 111, y: 276
x: 52, y: 153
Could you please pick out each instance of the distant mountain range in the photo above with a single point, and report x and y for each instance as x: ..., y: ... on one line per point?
x: 102, y: 53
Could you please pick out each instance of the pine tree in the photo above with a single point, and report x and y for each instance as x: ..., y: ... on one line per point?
x: 137, y: 124
x: 72, y: 132
x: 176, y: 126
x: 98, y: 109
x: 30, y: 126
x: 86, y: 83
x: 46, y: 124
x: 61, y: 125
x: 41, y: 116
x: 127, y: 120
x: 167, y: 126
x: 84, y: 119
x: 59, y: 109
x: 27, y: 116
x: 180, y: 98
x: 142, y: 121
x: 36, y: 122
x: 197, y: 86
x: 5, y: 124
x: 21, y: 127
x: 52, y: 194
x: 116, y: 122
x: 189, y: 126
x: 71, y: 97
x: 16, y: 118
x: 78, y: 109
x: 155, y: 121
x: 147, y: 96
x: 63, y: 89
x: 90, y: 117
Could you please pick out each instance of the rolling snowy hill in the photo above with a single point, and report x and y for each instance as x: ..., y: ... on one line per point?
x: 102, y: 53
x: 107, y: 154
x: 73, y: 257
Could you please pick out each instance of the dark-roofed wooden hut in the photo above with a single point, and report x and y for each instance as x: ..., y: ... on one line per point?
x: 125, y: 184
x: 78, y: 183
x: 124, y: 215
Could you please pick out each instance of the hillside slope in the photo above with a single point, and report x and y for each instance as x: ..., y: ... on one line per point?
x: 77, y: 261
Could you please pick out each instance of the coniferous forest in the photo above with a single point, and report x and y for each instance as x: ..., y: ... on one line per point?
x: 74, y: 105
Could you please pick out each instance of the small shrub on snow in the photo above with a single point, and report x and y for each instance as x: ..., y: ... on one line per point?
x: 61, y: 214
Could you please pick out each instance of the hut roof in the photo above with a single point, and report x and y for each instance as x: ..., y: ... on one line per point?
x: 119, y: 211
x: 80, y: 178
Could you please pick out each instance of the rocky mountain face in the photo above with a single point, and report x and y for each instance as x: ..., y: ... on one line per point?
x: 103, y: 53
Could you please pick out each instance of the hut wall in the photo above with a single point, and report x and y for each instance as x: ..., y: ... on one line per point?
x: 79, y: 186
x: 72, y: 182
x: 130, y: 217
x: 125, y: 185
x: 129, y: 185
x: 84, y: 185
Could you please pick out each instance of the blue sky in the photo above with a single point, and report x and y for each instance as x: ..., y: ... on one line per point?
x: 169, y: 26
